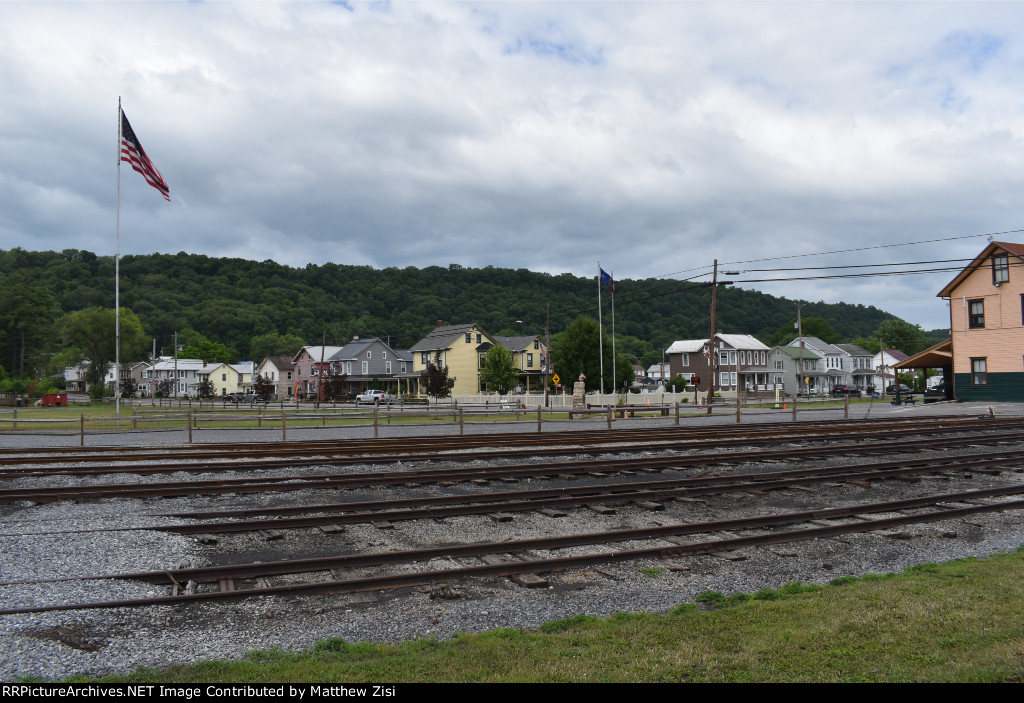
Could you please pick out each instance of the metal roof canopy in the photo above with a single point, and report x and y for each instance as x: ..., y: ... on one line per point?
x: 931, y: 358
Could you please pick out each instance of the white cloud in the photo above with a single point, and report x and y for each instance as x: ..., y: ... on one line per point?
x: 656, y: 136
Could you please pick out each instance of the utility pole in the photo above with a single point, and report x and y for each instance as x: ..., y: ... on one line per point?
x: 547, y: 340
x: 800, y: 334
x: 175, y: 364
x: 713, y: 359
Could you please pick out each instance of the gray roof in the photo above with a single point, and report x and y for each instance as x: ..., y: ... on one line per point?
x: 515, y: 344
x: 797, y: 352
x: 282, y: 363
x: 441, y: 337
x: 353, y: 349
x: 818, y: 345
x: 854, y: 350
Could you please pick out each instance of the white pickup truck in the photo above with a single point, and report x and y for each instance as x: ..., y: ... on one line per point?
x: 375, y: 397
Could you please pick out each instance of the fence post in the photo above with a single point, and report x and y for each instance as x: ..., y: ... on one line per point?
x: 846, y: 408
x: 737, y: 407
x: 259, y: 418
x: 794, y: 408
x: 376, y: 432
x: 677, y: 412
x: 284, y: 425
x: 82, y: 430
x: 540, y: 418
x: 611, y: 412
x: 190, y: 425
x: 15, y: 425
x: 462, y: 427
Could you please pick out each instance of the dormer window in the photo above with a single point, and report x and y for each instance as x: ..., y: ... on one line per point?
x: 1000, y: 268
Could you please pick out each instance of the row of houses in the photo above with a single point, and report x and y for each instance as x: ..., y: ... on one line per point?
x: 366, y: 363
x: 740, y: 363
x: 372, y: 363
x: 983, y: 360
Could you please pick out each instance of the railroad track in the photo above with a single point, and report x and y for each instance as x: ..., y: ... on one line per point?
x: 316, y: 481
x: 520, y: 560
x: 661, y: 440
x: 642, y: 493
x: 364, y: 450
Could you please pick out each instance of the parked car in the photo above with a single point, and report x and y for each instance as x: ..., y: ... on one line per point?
x: 843, y: 389
x: 935, y: 393
x: 904, y: 389
x: 375, y: 397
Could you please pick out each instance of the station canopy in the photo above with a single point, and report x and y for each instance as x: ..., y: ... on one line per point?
x: 937, y: 357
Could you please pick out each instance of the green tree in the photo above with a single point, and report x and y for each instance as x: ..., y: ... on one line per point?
x: 435, y: 379
x: 91, y: 333
x: 207, y: 350
x: 499, y: 372
x: 274, y: 344
x: 898, y: 334
x: 576, y: 351
x: 812, y: 327
x: 27, y: 311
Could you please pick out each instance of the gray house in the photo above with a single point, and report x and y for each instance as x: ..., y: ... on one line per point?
x: 370, y: 364
x: 799, y: 370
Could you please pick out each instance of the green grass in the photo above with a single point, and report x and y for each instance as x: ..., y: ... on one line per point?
x: 959, y: 621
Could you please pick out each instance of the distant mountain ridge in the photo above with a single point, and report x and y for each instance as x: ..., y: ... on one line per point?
x: 232, y: 300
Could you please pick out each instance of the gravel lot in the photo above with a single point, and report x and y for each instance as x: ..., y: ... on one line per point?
x: 54, y: 645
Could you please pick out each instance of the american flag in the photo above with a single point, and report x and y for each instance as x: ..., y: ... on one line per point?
x: 133, y: 153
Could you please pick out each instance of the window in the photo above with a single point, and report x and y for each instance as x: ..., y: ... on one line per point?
x: 723, y: 358
x: 348, y: 367
x: 976, y: 320
x: 479, y: 338
x: 387, y: 367
x: 1000, y: 268
x: 536, y: 344
x: 469, y: 337
x: 289, y: 375
x: 384, y: 355
x: 368, y: 353
x: 979, y: 372
x: 686, y: 359
x: 403, y: 367
x: 365, y: 369
x: 425, y: 358
x: 529, y: 359
x: 732, y: 380
x: 223, y: 377
x: 725, y: 378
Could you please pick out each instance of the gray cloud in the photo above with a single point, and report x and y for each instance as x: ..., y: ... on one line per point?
x: 656, y: 137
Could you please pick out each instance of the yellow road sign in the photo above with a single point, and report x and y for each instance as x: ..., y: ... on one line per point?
x: 555, y: 379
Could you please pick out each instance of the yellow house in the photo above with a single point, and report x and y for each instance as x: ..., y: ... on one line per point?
x: 228, y: 378
x: 986, y: 318
x: 462, y: 349
x: 530, y: 356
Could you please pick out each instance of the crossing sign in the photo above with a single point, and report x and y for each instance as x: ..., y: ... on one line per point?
x: 555, y: 379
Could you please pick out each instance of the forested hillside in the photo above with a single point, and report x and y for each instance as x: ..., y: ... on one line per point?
x: 234, y: 301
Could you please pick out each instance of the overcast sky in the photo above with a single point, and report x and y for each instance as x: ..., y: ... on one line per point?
x: 654, y: 137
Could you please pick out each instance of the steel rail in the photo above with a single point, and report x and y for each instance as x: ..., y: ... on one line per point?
x: 456, y: 456
x: 573, y: 496
x: 360, y: 480
x: 560, y: 563
x: 429, y: 445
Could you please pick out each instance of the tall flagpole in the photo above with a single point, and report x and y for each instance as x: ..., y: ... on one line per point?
x: 614, y: 379
x: 117, y: 278
x: 600, y: 330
